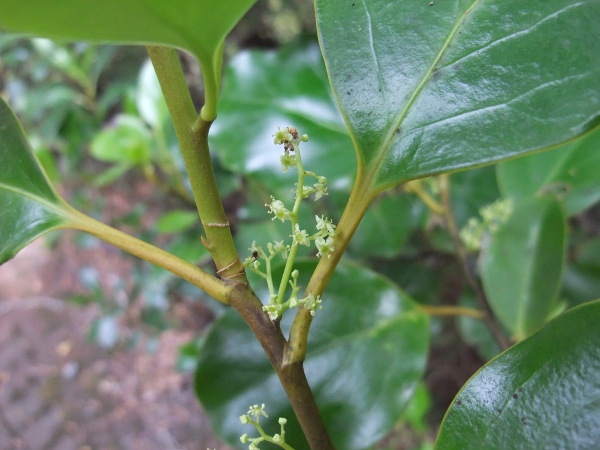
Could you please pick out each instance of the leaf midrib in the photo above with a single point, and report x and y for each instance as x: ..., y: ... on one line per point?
x: 35, y: 198
x: 383, y: 149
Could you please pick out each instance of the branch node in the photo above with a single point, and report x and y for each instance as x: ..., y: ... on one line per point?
x: 224, y: 269
x: 216, y: 224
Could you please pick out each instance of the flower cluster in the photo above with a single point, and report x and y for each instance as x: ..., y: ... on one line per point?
x: 323, y: 238
x: 493, y: 216
x: 256, y: 412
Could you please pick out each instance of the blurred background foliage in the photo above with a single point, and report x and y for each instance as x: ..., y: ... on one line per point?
x: 97, y: 121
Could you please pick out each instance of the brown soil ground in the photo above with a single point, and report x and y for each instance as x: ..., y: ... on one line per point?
x: 58, y: 391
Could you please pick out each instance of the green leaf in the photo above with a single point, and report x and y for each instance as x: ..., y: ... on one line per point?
x: 542, y: 393
x: 176, y: 221
x: 199, y: 26
x: 471, y: 190
x: 474, y: 332
x: 128, y: 141
x: 367, y: 351
x: 430, y: 88
x: 522, y: 265
x: 386, y: 226
x: 149, y: 99
x: 570, y: 172
x: 581, y: 281
x: 266, y: 89
x: 29, y: 206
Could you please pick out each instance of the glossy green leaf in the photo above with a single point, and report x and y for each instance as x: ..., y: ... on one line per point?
x: 386, y: 225
x: 433, y: 87
x: 197, y: 25
x: 581, y: 280
x: 470, y: 191
x: 570, y: 172
x: 367, y: 351
x: 542, y: 393
x: 29, y: 206
x: 522, y: 264
x: 263, y: 90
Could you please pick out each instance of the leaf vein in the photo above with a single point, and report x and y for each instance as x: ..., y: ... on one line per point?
x: 514, y: 35
x: 383, y: 149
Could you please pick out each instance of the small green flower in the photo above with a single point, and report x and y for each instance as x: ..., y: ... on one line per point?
x: 245, y: 419
x: 282, y: 421
x: 244, y: 437
x: 287, y: 161
x: 282, y: 136
x: 472, y: 234
x: 281, y: 247
x: 257, y: 411
x: 279, y: 210
x: 325, y: 224
x: 325, y: 246
x: 311, y: 303
x: 273, y: 310
x: 320, y: 190
x: 300, y: 237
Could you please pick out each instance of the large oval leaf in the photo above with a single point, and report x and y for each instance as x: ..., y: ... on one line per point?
x: 570, y: 172
x: 263, y: 90
x: 197, y: 25
x: 367, y: 351
x: 542, y: 393
x: 522, y: 265
x: 387, y: 225
x: 29, y: 206
x: 432, y: 87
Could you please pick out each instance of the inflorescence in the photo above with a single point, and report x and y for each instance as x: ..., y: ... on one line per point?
x: 323, y: 238
x: 253, y: 417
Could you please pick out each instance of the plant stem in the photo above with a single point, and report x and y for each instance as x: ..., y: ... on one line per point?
x: 189, y: 272
x: 452, y: 311
x: 416, y: 187
x: 359, y: 200
x: 462, y: 255
x: 192, y: 133
x: 289, y: 265
x: 291, y: 376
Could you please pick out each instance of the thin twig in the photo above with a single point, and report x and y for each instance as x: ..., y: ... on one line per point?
x: 462, y: 255
x: 447, y: 310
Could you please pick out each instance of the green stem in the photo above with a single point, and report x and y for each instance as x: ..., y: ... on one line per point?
x: 192, y: 133
x: 287, y: 271
x: 291, y: 376
x: 269, y: 278
x: 189, y: 272
x: 289, y: 265
x: 360, y: 198
x: 416, y: 187
x: 268, y: 438
x: 463, y: 257
x: 211, y: 76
